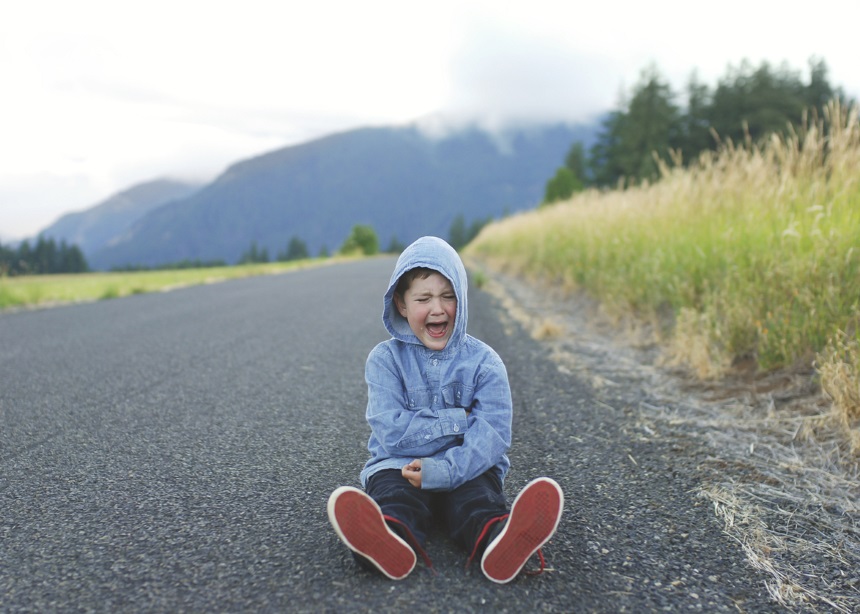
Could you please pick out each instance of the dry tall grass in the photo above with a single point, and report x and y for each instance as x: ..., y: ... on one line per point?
x: 753, y: 252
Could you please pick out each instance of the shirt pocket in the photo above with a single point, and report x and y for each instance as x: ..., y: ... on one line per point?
x: 458, y: 395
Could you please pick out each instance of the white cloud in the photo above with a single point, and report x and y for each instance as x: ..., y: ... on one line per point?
x: 501, y: 76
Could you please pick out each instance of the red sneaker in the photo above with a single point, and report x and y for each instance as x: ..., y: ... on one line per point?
x: 533, y: 520
x: 358, y: 522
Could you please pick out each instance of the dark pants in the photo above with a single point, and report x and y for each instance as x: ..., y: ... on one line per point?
x: 465, y: 511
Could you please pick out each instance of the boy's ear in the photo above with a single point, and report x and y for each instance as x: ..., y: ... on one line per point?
x: 401, y: 306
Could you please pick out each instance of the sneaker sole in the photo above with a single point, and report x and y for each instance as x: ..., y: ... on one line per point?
x: 534, y: 518
x: 359, y: 523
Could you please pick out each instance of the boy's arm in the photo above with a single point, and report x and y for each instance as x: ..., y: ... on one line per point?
x: 486, y: 440
x: 399, y: 430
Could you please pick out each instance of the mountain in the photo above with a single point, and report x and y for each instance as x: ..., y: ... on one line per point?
x: 94, y: 228
x: 398, y: 180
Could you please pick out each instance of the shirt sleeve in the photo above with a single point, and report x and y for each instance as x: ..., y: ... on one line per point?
x: 401, y: 431
x: 487, y: 438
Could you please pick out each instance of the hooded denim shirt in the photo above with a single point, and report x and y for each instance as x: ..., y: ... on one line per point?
x: 418, y: 398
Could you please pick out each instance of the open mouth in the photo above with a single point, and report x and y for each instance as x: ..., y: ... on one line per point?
x: 437, y: 329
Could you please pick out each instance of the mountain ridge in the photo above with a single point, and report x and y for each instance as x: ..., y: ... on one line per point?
x: 399, y: 180
x: 93, y: 227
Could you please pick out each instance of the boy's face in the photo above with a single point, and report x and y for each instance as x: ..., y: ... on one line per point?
x: 430, y: 306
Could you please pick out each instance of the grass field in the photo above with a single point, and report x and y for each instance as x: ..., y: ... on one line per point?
x: 750, y: 254
x: 42, y: 290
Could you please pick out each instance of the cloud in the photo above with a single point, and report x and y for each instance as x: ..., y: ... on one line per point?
x: 35, y: 196
x: 502, y: 76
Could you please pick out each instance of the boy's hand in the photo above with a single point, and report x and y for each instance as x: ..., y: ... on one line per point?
x: 412, y: 472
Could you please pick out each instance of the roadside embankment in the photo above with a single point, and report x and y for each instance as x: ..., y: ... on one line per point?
x: 723, y: 300
x: 768, y: 458
x: 746, y: 261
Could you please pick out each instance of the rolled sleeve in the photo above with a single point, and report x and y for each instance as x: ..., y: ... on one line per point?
x: 435, y: 474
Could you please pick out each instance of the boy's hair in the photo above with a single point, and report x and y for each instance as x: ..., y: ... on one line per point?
x: 405, y: 281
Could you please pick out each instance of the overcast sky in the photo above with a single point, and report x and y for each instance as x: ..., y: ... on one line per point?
x: 99, y: 95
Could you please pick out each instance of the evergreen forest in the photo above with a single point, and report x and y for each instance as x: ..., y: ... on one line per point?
x: 653, y: 121
x: 45, y: 257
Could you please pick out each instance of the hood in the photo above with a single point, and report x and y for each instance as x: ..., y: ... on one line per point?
x: 432, y: 253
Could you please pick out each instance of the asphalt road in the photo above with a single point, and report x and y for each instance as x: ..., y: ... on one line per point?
x: 174, y: 452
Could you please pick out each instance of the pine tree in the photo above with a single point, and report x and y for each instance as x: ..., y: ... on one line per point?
x: 458, y: 234
x: 296, y: 250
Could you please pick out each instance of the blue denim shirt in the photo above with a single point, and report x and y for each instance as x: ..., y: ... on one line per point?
x: 418, y: 398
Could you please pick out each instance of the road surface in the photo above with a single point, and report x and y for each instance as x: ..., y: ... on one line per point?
x: 174, y: 452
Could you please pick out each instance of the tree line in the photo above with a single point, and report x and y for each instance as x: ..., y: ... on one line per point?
x: 45, y: 257
x: 364, y: 240
x: 747, y: 104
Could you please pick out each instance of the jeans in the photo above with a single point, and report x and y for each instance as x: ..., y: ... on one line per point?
x: 466, y: 510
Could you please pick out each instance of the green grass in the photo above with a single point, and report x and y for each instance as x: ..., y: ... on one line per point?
x: 41, y: 290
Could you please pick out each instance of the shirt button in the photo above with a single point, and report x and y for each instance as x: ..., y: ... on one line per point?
x: 456, y: 428
x: 435, y: 362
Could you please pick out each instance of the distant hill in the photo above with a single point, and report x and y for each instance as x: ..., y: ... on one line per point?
x: 398, y: 180
x: 96, y: 227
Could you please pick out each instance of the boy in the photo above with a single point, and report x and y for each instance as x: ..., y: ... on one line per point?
x: 439, y: 408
